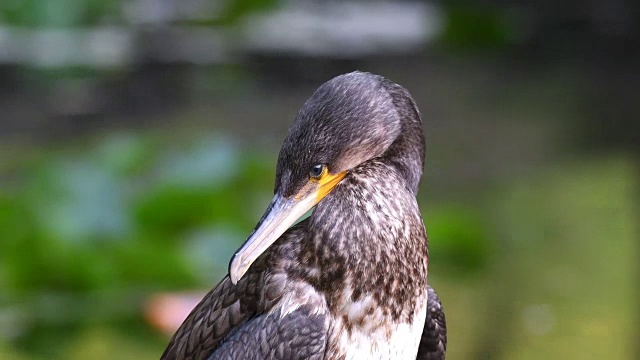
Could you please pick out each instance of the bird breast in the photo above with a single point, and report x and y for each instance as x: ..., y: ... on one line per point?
x: 363, y: 332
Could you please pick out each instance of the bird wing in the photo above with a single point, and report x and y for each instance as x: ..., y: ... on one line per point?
x: 298, y: 335
x: 433, y: 344
x: 267, y: 315
x: 223, y: 309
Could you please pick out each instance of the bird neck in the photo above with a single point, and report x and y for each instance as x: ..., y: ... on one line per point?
x: 367, y: 239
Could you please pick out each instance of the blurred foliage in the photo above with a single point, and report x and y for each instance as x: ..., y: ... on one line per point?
x: 559, y: 283
x: 79, y: 13
x: 236, y: 10
x: 580, y: 219
x: 58, y: 13
x: 470, y: 27
x: 459, y: 236
x: 116, y: 221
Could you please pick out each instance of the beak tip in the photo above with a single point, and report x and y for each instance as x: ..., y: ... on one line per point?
x: 235, y: 270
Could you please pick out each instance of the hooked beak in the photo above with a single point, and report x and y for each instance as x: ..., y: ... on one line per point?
x: 279, y: 216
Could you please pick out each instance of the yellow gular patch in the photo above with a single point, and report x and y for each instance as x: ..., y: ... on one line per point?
x: 327, y: 182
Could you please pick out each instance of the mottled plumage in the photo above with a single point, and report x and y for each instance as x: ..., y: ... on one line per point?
x: 349, y: 282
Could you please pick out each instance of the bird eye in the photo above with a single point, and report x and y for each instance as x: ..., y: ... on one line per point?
x: 317, y: 171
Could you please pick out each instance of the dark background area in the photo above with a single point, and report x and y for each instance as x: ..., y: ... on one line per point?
x: 138, y: 142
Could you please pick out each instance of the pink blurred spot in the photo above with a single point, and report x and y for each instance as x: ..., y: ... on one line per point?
x: 167, y: 311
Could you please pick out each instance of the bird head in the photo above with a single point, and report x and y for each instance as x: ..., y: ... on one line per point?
x: 348, y: 121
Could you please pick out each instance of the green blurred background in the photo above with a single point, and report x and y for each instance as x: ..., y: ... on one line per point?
x: 138, y: 142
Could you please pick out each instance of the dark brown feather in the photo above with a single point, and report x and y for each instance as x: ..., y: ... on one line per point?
x: 433, y: 343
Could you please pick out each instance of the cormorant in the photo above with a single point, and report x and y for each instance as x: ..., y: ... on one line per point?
x: 350, y: 281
